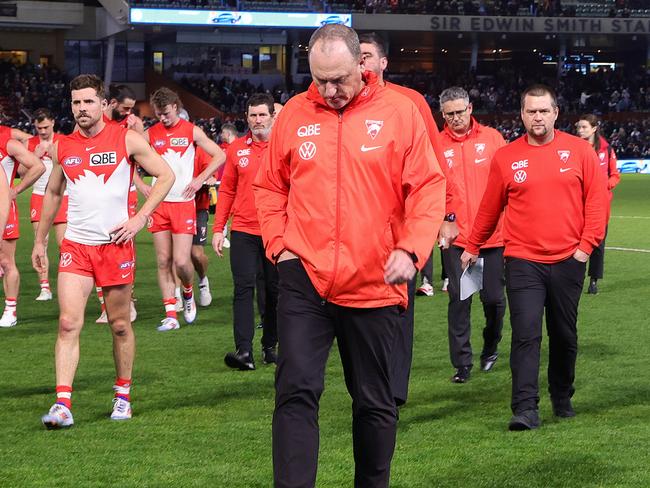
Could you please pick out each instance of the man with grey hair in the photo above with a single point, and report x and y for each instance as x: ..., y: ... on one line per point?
x: 348, y: 200
x: 468, y: 149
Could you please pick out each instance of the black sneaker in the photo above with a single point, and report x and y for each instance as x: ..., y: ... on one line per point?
x: 526, y: 420
x: 563, y: 408
x: 269, y: 355
x: 593, y: 287
x: 487, y: 362
x: 242, y: 361
x: 461, y: 375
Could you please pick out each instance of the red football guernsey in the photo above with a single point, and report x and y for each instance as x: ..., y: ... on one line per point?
x: 201, y: 161
x: 46, y: 159
x: 6, y: 161
x: 98, y: 172
x: 555, y: 199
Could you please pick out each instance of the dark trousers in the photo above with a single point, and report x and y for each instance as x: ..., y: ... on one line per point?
x: 245, y: 252
x: 307, y: 327
x: 534, y: 288
x: 459, y: 311
x: 427, y: 270
x: 597, y: 260
x: 403, y: 349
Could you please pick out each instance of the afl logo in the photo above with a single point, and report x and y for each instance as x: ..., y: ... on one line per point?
x: 149, y: 222
x: 307, y: 150
x: 72, y: 161
x: 243, y: 162
x: 520, y: 176
x: 66, y: 259
x: 33, y: 213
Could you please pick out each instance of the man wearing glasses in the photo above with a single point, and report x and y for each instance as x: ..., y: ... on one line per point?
x: 468, y: 148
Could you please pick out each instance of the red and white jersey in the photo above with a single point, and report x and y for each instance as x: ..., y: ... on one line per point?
x: 99, y: 173
x: 41, y: 183
x: 176, y: 146
x: 6, y: 161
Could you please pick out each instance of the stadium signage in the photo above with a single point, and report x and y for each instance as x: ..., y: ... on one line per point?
x: 230, y: 18
x: 550, y: 25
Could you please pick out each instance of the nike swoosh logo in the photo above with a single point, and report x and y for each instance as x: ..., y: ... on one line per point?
x: 125, y: 275
x: 603, y: 163
x: 479, y: 160
x: 564, y: 170
x: 169, y: 135
x: 90, y: 148
x: 366, y: 149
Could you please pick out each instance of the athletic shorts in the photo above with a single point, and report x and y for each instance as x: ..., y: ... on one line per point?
x: 201, y: 236
x: 12, y: 229
x: 36, y: 205
x: 109, y: 264
x: 178, y: 217
x: 133, y: 203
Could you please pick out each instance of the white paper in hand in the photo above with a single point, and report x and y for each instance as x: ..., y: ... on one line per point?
x: 471, y: 280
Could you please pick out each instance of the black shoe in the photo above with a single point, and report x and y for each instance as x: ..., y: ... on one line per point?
x: 593, y: 288
x: 563, y: 408
x: 526, y: 420
x: 240, y: 360
x: 269, y: 355
x: 487, y: 362
x: 461, y: 375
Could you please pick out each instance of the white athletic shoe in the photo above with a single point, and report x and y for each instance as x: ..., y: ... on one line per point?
x: 8, y: 319
x: 425, y: 289
x: 45, y: 295
x: 134, y: 312
x: 121, y: 409
x: 58, y: 417
x: 226, y: 243
x: 102, y: 319
x: 168, y: 323
x: 445, y: 284
x: 189, y: 310
x: 205, y: 297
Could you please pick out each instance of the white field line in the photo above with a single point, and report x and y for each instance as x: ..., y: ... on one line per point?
x: 626, y: 249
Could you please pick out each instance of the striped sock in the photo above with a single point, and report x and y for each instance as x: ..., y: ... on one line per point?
x: 122, y: 388
x: 64, y: 395
x: 187, y: 291
x: 45, y: 285
x: 170, y: 307
x: 100, y: 296
x: 10, y: 305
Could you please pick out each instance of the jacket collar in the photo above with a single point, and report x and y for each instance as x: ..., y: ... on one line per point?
x: 474, y: 129
x: 371, y: 86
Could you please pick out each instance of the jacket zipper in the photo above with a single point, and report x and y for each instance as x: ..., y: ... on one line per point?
x: 337, y: 235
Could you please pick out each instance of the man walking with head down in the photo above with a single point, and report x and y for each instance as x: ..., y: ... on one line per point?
x: 350, y: 200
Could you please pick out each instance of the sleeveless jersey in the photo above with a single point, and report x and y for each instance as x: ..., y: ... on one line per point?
x: 98, y: 174
x: 41, y: 183
x: 8, y: 164
x: 176, y: 146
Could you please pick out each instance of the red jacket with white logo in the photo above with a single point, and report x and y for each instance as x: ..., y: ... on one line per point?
x: 243, y: 160
x: 608, y: 161
x: 555, y: 200
x: 468, y: 161
x: 343, y: 189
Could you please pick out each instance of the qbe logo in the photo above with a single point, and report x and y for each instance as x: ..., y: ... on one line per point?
x: 179, y: 142
x: 103, y: 159
x: 66, y: 259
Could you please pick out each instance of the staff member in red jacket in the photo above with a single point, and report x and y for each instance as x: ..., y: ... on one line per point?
x: 588, y: 128
x: 349, y: 199
x: 243, y: 160
x: 373, y: 51
x: 554, y: 196
x: 468, y: 149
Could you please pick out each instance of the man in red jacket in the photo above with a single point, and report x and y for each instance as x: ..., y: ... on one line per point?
x: 243, y: 160
x: 468, y: 148
x: 350, y: 198
x: 555, y: 201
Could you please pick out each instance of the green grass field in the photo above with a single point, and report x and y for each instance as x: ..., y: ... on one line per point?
x: 198, y: 424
